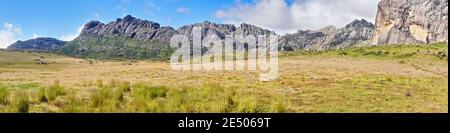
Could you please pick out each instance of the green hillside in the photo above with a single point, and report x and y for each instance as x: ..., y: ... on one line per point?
x: 119, y: 47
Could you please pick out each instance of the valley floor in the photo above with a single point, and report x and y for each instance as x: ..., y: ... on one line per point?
x: 377, y: 79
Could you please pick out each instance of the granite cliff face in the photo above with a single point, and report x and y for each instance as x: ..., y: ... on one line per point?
x: 411, y: 22
x: 208, y: 29
x: 357, y: 32
x: 130, y: 27
x: 221, y: 30
x: 38, y: 44
x: 144, y: 30
x: 135, y: 38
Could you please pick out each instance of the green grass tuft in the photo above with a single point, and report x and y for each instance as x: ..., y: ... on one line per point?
x: 4, y: 93
x: 54, y: 91
x: 22, y: 102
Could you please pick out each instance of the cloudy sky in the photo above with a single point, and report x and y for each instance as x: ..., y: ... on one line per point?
x: 63, y: 19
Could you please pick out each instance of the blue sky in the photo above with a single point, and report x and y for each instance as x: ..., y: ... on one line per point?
x: 56, y: 18
x: 62, y: 19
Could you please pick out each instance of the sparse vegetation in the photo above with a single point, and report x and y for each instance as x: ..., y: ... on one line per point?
x: 377, y: 79
x: 102, y: 96
x: 149, y: 92
x: 42, y: 95
x: 3, y: 95
x: 439, y: 51
x: 54, y: 91
x: 22, y: 102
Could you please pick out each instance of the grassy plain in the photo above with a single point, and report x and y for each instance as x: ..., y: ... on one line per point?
x: 406, y: 78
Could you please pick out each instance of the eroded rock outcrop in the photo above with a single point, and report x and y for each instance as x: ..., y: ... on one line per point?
x: 221, y: 30
x: 210, y: 29
x: 131, y: 27
x: 411, y: 22
x: 357, y: 32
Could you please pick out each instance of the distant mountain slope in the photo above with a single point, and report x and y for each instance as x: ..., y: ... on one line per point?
x: 116, y: 47
x: 358, y: 31
x: 38, y: 44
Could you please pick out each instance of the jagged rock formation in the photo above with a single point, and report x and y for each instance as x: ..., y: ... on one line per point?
x: 208, y: 29
x: 357, y: 32
x: 248, y: 29
x: 131, y: 27
x: 411, y: 22
x: 139, y: 39
x: 38, y: 44
x: 221, y: 30
x: 130, y: 38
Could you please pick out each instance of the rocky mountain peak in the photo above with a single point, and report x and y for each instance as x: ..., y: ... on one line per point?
x: 247, y: 29
x: 91, y: 25
x: 129, y: 18
x: 131, y: 27
x: 211, y: 25
x: 330, y: 37
x: 360, y: 24
x: 329, y: 29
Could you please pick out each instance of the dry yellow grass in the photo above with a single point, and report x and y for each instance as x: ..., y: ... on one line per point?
x: 305, y: 84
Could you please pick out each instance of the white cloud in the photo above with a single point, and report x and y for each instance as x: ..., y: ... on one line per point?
x: 36, y: 36
x: 8, y: 34
x: 70, y: 37
x: 282, y: 17
x: 184, y: 10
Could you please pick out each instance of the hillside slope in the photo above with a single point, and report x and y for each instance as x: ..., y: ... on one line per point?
x: 38, y: 44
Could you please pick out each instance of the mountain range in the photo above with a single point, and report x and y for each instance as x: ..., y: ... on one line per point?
x: 397, y: 22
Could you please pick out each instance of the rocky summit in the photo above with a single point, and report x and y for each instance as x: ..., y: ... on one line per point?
x: 131, y: 27
x: 411, y: 22
x: 357, y: 32
x: 221, y: 30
